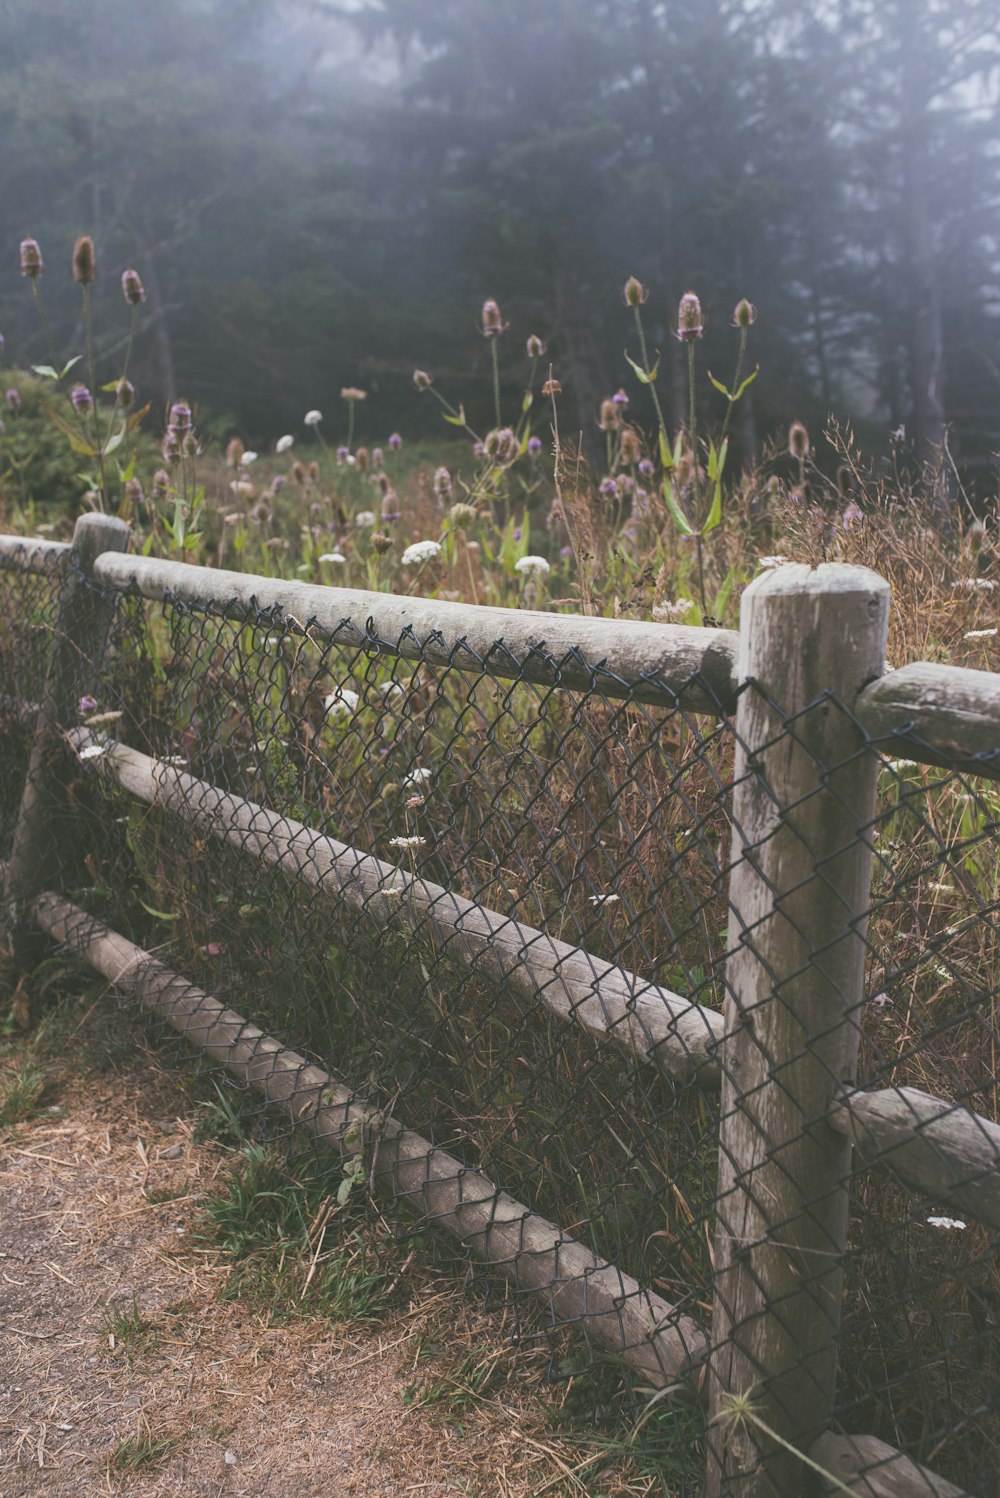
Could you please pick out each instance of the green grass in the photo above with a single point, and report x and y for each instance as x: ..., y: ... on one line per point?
x: 22, y: 1091
x: 127, y: 1330
x: 140, y: 1452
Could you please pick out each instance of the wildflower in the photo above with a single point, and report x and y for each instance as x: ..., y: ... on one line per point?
x: 422, y: 380
x: 343, y: 453
x: 341, y: 700
x: 532, y: 567
x: 391, y: 689
x: 620, y: 399
x: 646, y: 468
x: 336, y: 557
x: 248, y: 458
x: 502, y: 445
x: 419, y: 776
x: 946, y: 1222
x: 352, y: 393
x: 312, y: 418
x: 393, y: 889
x: 364, y: 518
x: 13, y: 401
x: 798, y: 440
x: 82, y: 399
x: 630, y: 449
x: 980, y: 634
x: 442, y: 485
x: 609, y: 419
x: 362, y: 459
x: 851, y: 517
x: 125, y: 393
x: 535, y: 346
x: 82, y: 264
x: 134, y: 493
x: 180, y: 416
x: 381, y: 543
x: 407, y: 842
x: 284, y: 443
x: 395, y: 440
x: 420, y: 552
x: 234, y: 453
x: 534, y: 446
x: 461, y: 516
x: 479, y: 449
x: 86, y: 704
x: 31, y: 259
x: 314, y: 470
x: 390, y: 505
x: 603, y: 899
x: 635, y: 293
x: 552, y: 387
x: 690, y: 324
x: 608, y: 488
x: 132, y: 288
x: 672, y: 613
x: 766, y: 563
x: 744, y: 314
x: 378, y: 458
x: 303, y: 567
x: 161, y: 483
x: 492, y: 322
x: 93, y: 751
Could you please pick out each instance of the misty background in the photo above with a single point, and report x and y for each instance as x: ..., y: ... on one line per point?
x: 320, y: 194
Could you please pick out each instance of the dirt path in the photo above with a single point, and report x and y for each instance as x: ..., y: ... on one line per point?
x: 208, y: 1397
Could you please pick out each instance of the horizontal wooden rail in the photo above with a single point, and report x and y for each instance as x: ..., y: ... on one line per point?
x: 653, y: 663
x: 872, y: 1469
x: 940, y: 1149
x: 650, y: 1023
x: 938, y: 715
x: 645, y: 1331
x: 30, y: 553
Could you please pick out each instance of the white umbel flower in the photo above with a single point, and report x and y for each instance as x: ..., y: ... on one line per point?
x: 364, y: 518
x: 284, y: 443
x: 340, y: 701
x: 946, y: 1222
x: 312, y: 418
x: 337, y: 557
x: 532, y: 567
x: 420, y: 551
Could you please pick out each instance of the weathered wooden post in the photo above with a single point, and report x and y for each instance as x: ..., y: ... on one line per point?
x: 803, y: 804
x: 85, y: 615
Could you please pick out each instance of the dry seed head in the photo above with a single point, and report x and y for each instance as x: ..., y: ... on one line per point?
x: 422, y: 381
x: 352, y: 393
x: 362, y: 458
x: 609, y: 419
x: 552, y: 387
x: 744, y: 314
x: 536, y: 348
x: 501, y: 445
x: 161, y: 483
x: 31, y: 259
x: 125, y: 393
x: 461, y: 516
x: 690, y: 324
x: 180, y: 416
x: 844, y: 477
x: 631, y: 452
x: 234, y: 452
x: 443, y: 488
x: 298, y: 472
x: 82, y: 264
x: 314, y: 470
x: 798, y: 440
x: 380, y: 542
x: 635, y: 292
x: 81, y: 397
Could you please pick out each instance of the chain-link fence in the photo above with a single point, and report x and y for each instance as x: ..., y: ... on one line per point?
x: 493, y: 904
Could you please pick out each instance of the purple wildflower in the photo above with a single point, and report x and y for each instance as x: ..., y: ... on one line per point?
x: 620, y: 399
x: 82, y: 399
x: 31, y: 259
x: 86, y: 704
x: 534, y: 445
x: 343, y: 453
x: 132, y: 288
x: 395, y: 441
x: 14, y: 401
x: 180, y: 416
x: 646, y: 468
x: 608, y: 488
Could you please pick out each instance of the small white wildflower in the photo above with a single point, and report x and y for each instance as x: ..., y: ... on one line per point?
x: 93, y: 751
x: 672, y: 613
x: 980, y: 634
x: 418, y: 777
x: 407, y: 842
x: 303, y: 567
x: 391, y: 689
x: 365, y: 518
x: 766, y: 563
x: 532, y: 567
x: 980, y: 584
x: 343, y: 700
x: 946, y: 1222
x: 233, y: 517
x: 393, y: 889
x: 333, y: 556
x: 899, y: 765
x: 177, y: 760
x: 942, y: 889
x: 45, y: 530
x: 284, y: 443
x: 312, y: 418
x: 420, y: 551
x: 248, y: 458
x: 880, y: 1000
x: 604, y: 899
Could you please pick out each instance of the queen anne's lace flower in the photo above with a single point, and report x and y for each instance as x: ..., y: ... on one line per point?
x: 946, y: 1222
x: 312, y: 418
x: 420, y: 551
x: 333, y: 556
x: 342, y: 700
x: 532, y: 567
x: 284, y: 443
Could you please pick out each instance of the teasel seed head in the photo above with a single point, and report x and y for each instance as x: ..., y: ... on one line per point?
x: 798, y: 440
x: 635, y: 292
x: 180, y: 417
x: 536, y: 348
x: 363, y: 458
x: 609, y: 419
x: 234, y: 452
x: 690, y: 324
x: 32, y: 264
x: 82, y: 399
x: 298, y: 472
x: 492, y: 321
x: 132, y: 288
x: 501, y: 445
x: 461, y: 516
x: 161, y: 484
x: 844, y: 478
x: 314, y: 471
x: 125, y: 393
x: 82, y: 265
x: 744, y: 314
x: 422, y: 381
x: 14, y: 402
x: 630, y: 451
x: 443, y: 489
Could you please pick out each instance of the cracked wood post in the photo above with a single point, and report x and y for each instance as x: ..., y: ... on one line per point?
x: 804, y: 798
x: 85, y: 615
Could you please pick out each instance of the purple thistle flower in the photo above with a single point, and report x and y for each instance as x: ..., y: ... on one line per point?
x: 479, y: 449
x: 343, y: 453
x: 565, y: 552
x: 620, y: 399
x: 390, y: 506
x: 646, y: 468
x: 395, y: 441
x: 690, y: 324
x: 14, y: 401
x: 82, y: 399
x: 608, y: 488
x: 378, y: 457
x: 180, y: 416
x: 850, y: 518
x: 534, y: 445
x: 132, y: 288
x: 86, y: 704
x: 134, y: 494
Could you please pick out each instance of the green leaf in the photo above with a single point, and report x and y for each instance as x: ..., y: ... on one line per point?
x: 666, y: 456
x: 715, y: 513
x: 748, y: 381
x: 46, y: 371
x: 722, y: 597
x: 717, y: 460
x: 678, y: 448
x: 160, y: 915
x: 74, y: 439
x: 528, y: 401
x: 676, y: 513
x: 67, y: 367
x: 455, y: 421
x: 640, y: 373
x: 722, y: 389
x: 113, y: 443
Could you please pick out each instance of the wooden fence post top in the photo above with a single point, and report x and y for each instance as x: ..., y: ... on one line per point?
x: 94, y: 534
x: 825, y: 578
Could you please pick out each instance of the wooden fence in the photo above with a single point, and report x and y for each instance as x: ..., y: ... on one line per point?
x: 805, y: 687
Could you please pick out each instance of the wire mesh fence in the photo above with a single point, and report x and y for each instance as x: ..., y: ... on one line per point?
x: 480, y: 915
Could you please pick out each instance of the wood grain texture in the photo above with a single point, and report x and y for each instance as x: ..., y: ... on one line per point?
x: 872, y: 1469
x: 938, y: 715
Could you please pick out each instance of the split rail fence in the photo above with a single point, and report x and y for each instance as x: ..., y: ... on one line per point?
x: 657, y: 966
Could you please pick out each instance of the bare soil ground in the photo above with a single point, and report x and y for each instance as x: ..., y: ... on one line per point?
x: 214, y: 1397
